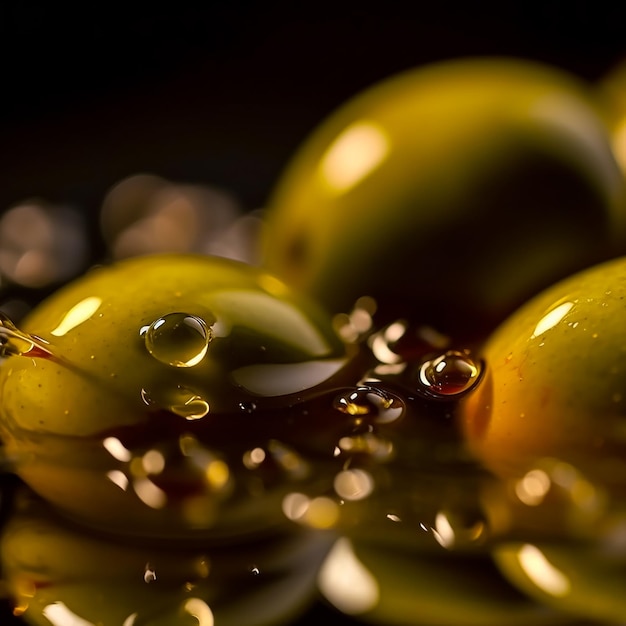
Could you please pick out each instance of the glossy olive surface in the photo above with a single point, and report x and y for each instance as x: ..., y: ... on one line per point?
x: 450, y: 194
x: 147, y: 383
x: 555, y: 386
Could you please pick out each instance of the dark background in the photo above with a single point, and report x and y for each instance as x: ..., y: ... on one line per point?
x: 223, y: 94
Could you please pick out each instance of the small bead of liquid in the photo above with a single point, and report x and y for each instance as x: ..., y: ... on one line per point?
x: 178, y: 400
x: 178, y: 339
x: 379, y: 406
x: 449, y: 374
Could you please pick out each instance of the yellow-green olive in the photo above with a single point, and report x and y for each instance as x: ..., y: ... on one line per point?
x: 133, y: 395
x: 450, y: 194
x: 555, y: 386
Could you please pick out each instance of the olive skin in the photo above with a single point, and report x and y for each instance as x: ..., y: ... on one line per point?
x: 161, y: 374
x: 555, y: 386
x: 450, y: 194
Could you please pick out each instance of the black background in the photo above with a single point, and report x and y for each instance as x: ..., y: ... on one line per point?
x: 223, y: 94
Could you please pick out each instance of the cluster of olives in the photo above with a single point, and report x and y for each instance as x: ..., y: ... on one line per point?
x: 385, y: 413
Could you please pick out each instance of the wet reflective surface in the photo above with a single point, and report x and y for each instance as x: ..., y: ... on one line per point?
x: 359, y: 491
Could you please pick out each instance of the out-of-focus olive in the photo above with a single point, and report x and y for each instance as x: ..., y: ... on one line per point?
x: 450, y: 194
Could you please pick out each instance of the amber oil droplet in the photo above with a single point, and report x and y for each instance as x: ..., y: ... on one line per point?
x: 449, y: 374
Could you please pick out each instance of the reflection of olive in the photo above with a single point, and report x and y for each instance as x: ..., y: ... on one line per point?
x: 583, y: 580
x: 56, y: 574
x: 451, y: 194
x: 147, y: 385
x: 556, y: 384
x: 612, y: 91
x: 387, y: 586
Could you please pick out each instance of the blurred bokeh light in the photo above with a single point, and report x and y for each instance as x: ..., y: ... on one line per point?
x: 41, y: 244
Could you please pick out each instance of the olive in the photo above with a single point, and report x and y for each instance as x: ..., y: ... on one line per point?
x: 131, y: 397
x: 555, y: 388
x: 450, y: 194
x: 56, y: 573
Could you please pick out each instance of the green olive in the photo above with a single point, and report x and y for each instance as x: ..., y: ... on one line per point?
x: 56, y: 574
x: 146, y: 384
x: 555, y: 388
x: 583, y: 580
x: 450, y: 194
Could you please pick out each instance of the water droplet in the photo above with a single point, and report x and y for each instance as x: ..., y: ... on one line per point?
x: 14, y: 342
x: 180, y: 400
x: 178, y: 339
x: 380, y: 407
x: 449, y: 374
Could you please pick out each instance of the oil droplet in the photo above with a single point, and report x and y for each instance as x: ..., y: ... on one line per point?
x: 180, y: 400
x: 449, y: 374
x: 193, y: 408
x: 14, y: 342
x: 380, y: 406
x: 178, y: 339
